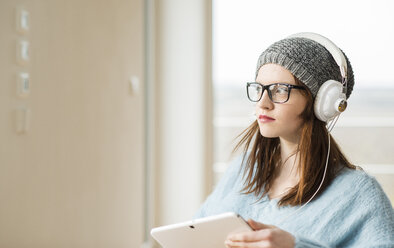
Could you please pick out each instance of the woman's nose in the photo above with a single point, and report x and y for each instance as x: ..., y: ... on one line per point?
x: 265, y: 101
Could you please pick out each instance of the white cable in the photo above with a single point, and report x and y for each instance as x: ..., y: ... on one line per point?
x: 332, y: 123
x: 321, y: 183
x: 328, y: 126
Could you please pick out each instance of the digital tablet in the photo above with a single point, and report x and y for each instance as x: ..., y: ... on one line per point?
x: 208, y: 232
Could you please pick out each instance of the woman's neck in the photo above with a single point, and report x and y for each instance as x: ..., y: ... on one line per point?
x: 286, y: 173
x: 290, y: 160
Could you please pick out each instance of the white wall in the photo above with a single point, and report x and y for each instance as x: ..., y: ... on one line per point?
x: 183, y: 82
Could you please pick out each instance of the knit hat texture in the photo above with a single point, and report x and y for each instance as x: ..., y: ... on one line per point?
x: 308, y: 61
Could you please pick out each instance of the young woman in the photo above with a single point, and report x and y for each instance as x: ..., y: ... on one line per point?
x: 293, y: 183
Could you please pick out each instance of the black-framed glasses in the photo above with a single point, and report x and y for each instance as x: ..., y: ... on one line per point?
x: 278, y: 92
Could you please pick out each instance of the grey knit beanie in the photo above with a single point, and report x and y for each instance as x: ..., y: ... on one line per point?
x: 308, y: 61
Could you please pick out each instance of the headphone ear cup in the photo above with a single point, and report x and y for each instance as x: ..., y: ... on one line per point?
x: 330, y: 101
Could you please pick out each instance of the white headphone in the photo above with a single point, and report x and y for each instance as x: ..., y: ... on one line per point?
x: 330, y: 100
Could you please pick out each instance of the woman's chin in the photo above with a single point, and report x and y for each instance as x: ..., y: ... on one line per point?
x: 268, y: 134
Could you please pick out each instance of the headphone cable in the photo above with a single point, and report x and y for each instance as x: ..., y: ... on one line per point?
x: 321, y: 183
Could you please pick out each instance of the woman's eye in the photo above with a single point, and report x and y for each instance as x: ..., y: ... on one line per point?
x: 256, y: 89
x: 280, y: 90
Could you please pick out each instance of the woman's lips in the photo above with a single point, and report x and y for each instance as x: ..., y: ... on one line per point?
x: 265, y: 119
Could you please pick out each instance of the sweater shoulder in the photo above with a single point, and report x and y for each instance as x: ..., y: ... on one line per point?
x: 355, y: 177
x: 361, y: 185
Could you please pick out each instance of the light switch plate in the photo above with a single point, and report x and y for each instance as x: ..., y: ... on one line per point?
x: 22, y: 20
x: 134, y: 82
x: 23, y: 84
x: 22, y: 51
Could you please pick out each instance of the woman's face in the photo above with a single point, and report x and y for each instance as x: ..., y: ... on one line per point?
x: 281, y: 120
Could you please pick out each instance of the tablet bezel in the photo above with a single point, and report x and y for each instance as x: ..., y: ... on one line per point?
x: 207, y: 232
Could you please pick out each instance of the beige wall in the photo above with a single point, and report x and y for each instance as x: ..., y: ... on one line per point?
x: 75, y: 179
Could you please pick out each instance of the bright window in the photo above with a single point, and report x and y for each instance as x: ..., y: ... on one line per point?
x: 242, y: 29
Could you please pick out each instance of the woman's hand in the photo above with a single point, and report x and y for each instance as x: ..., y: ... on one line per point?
x: 262, y: 236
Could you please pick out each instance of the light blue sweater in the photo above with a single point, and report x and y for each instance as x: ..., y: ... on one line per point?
x: 352, y: 212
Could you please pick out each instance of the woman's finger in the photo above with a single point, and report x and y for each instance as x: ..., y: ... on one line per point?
x: 235, y: 244
x: 252, y: 236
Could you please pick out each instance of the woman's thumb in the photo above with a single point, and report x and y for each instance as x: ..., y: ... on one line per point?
x: 257, y: 225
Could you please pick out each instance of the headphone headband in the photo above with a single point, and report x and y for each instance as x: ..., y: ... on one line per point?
x: 330, y: 100
x: 330, y: 46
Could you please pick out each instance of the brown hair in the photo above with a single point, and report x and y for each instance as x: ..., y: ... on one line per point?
x: 264, y: 156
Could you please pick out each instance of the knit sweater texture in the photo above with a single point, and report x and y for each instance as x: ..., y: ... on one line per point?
x: 352, y: 212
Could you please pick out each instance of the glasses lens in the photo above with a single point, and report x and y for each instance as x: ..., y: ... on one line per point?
x: 279, y: 93
x: 254, y: 92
